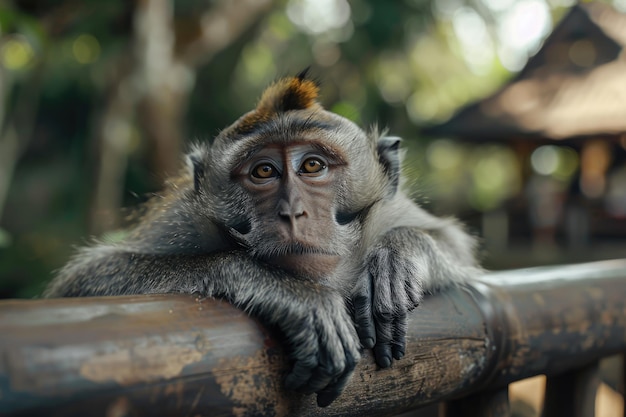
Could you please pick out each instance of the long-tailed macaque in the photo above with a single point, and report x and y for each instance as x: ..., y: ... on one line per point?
x: 294, y: 214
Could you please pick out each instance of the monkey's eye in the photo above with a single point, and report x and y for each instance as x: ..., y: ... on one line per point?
x: 264, y: 170
x: 312, y: 166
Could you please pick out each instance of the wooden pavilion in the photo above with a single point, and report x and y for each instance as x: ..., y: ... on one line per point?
x: 572, y: 94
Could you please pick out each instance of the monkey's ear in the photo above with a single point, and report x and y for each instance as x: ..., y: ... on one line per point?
x: 195, y: 163
x: 389, y: 156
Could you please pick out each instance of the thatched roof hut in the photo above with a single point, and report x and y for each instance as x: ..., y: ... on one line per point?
x: 573, y: 88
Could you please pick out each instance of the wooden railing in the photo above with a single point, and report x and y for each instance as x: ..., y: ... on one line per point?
x: 176, y: 355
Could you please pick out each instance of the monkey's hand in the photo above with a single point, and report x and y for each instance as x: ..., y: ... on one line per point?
x: 324, y: 347
x: 321, y: 340
x: 390, y: 286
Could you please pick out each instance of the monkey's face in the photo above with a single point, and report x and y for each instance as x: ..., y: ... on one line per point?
x: 293, y: 181
x: 294, y: 187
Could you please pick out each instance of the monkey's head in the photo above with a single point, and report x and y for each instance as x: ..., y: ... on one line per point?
x: 293, y: 182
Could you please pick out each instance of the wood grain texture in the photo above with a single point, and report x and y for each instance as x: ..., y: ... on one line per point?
x: 183, y: 356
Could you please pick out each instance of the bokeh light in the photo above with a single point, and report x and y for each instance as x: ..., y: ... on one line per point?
x: 16, y: 53
x: 561, y: 162
x: 443, y: 154
x: 545, y: 159
x: 86, y: 49
x: 318, y: 16
x: 495, y: 173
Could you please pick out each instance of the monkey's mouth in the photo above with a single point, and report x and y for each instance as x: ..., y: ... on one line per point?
x: 293, y: 247
x: 310, y: 265
x: 305, y: 260
x: 299, y: 249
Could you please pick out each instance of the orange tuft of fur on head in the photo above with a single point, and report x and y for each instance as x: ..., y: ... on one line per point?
x: 293, y: 93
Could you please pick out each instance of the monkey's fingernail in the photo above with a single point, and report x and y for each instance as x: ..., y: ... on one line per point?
x: 368, y: 343
x: 398, y: 355
x: 384, y: 362
x: 324, y: 398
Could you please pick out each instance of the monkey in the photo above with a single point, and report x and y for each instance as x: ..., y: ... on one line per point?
x: 298, y: 216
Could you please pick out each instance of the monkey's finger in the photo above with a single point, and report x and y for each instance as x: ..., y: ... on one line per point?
x: 398, y: 344
x: 415, y: 294
x: 384, y: 336
x: 320, y: 379
x: 299, y: 376
x: 331, y: 392
x: 364, y: 320
x: 327, y: 396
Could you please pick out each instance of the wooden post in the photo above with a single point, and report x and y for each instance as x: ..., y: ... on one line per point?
x: 483, y: 404
x: 572, y: 394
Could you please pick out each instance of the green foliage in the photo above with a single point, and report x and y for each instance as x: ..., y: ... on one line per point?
x: 397, y: 64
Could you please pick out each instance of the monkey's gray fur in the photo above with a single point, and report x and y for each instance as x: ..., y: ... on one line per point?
x: 295, y: 215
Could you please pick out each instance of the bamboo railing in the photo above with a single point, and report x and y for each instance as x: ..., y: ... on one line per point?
x: 177, y: 355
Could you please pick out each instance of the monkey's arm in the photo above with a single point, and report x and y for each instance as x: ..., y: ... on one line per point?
x: 321, y: 339
x: 410, y: 253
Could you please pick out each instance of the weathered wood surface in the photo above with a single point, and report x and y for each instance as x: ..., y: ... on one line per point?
x: 180, y: 356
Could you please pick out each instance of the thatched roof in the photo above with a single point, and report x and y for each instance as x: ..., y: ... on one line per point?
x: 575, y: 86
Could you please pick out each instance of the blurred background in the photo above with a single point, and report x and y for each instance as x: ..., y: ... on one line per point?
x: 513, y: 111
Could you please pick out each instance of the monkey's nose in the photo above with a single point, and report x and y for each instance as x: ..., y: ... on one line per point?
x: 290, y: 211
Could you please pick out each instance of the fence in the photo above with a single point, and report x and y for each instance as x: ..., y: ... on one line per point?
x: 162, y: 355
